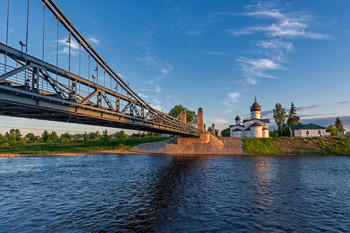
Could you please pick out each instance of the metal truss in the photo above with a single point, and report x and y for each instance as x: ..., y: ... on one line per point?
x: 37, y: 89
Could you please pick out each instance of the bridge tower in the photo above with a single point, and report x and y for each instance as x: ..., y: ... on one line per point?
x: 200, y: 121
x: 183, y: 115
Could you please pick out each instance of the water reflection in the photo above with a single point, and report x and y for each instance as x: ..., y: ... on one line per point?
x: 175, y: 194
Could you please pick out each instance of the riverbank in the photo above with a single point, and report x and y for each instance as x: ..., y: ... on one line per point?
x: 76, y: 148
x: 298, y: 146
x: 205, y: 145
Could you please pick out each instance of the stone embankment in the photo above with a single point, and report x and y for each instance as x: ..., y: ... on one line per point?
x: 206, y: 144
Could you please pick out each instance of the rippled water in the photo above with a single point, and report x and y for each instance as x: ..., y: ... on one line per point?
x: 175, y: 194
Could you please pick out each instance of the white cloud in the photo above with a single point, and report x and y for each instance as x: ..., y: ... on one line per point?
x: 219, y: 120
x: 231, y: 97
x: 261, y: 63
x: 254, y: 69
x: 143, y: 95
x: 150, y: 61
x: 287, y: 25
x: 150, y: 82
x: 158, y: 89
x: 214, y: 53
x: 194, y: 32
x: 157, y: 106
x: 93, y: 40
x: 276, y: 44
x: 157, y: 101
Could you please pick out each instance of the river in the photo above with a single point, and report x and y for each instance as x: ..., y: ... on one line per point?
x: 149, y: 193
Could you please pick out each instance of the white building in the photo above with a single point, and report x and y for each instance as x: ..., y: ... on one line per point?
x: 255, y: 127
x: 309, y: 130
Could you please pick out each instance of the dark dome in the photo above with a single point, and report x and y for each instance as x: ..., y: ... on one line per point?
x: 237, y: 118
x: 255, y: 107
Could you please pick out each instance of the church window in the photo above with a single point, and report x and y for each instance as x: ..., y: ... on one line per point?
x: 319, y: 132
x: 307, y: 133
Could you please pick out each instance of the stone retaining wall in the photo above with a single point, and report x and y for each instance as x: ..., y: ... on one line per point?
x: 204, y: 145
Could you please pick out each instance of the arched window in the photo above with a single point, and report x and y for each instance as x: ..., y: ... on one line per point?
x: 307, y: 133
x: 319, y: 132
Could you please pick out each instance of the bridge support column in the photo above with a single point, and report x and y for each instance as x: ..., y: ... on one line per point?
x: 213, y: 131
x: 183, y: 115
x: 200, y: 121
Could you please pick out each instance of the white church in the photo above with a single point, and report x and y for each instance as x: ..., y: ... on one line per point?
x: 255, y: 127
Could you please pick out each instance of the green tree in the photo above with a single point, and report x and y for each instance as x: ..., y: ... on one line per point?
x: 209, y: 129
x: 105, y: 136
x: 95, y: 135
x: 65, y: 138
x: 176, y: 110
x: 331, y: 129
x: 293, y: 119
x: 11, y: 139
x: 44, y: 136
x: 120, y: 135
x: 339, y: 124
x: 31, y: 137
x: 53, y: 137
x: 2, y: 138
x: 225, y: 132
x: 85, y: 137
x: 279, y: 114
x: 16, y: 133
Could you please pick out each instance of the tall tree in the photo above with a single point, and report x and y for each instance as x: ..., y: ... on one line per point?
x: 293, y: 119
x: 279, y: 114
x: 176, y: 110
x: 45, y: 135
x: 225, y: 132
x: 16, y: 133
x: 339, y: 124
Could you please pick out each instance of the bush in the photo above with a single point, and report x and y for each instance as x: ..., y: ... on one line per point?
x: 65, y: 138
x: 11, y: 139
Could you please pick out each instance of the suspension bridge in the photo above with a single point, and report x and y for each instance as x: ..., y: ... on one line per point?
x: 31, y: 87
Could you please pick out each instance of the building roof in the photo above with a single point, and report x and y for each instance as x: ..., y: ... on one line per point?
x: 308, y: 126
x: 256, y: 124
x: 265, y: 128
x: 237, y: 130
x: 265, y: 120
x: 247, y: 129
x: 255, y: 106
x: 237, y: 118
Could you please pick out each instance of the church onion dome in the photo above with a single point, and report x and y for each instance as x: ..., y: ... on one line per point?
x: 256, y: 124
x: 237, y: 118
x: 255, y: 107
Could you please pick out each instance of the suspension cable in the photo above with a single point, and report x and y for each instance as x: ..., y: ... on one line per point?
x: 89, y: 71
x: 79, y: 57
x: 69, y: 81
x: 43, y: 52
x: 58, y: 24
x: 25, y: 73
x: 7, y: 31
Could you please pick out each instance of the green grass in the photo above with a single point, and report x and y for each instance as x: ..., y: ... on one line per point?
x: 335, y: 145
x: 77, y: 146
x: 260, y: 146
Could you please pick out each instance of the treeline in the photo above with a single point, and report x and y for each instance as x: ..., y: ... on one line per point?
x: 14, y: 137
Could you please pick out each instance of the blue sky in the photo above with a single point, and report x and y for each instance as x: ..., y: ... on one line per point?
x: 210, y: 54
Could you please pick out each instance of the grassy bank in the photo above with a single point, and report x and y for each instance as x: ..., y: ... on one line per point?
x: 305, y: 146
x: 260, y: 146
x: 77, y: 146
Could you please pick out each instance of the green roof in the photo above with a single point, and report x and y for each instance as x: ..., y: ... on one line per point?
x: 308, y: 126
